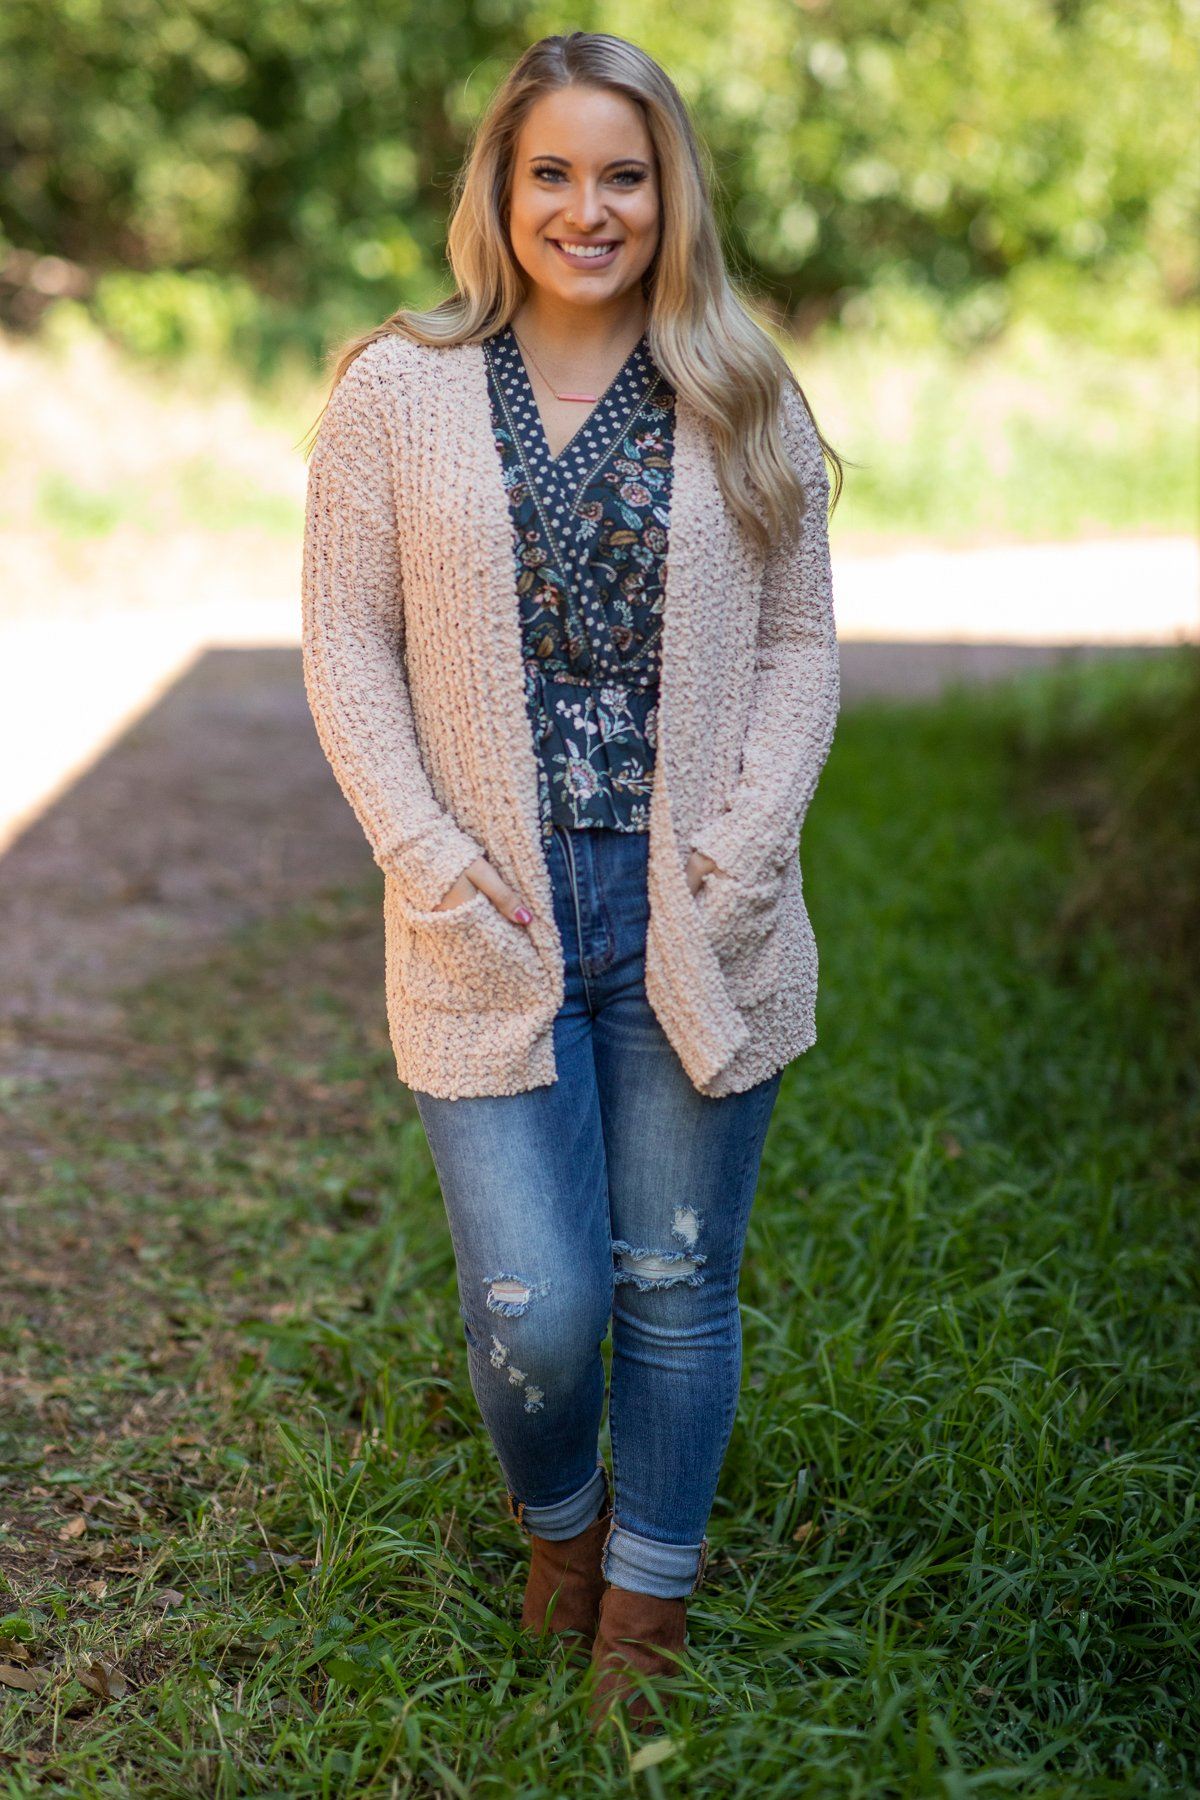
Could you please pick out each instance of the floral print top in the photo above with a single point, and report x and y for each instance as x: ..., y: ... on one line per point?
x: 590, y: 530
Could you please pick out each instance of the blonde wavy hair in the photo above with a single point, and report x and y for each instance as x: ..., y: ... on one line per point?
x: 700, y: 331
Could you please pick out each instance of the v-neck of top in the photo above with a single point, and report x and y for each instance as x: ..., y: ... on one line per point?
x: 599, y: 433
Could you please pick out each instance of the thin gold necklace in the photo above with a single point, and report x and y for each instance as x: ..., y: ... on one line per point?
x: 590, y: 399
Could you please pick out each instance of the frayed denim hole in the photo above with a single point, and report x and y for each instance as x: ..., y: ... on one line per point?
x: 660, y: 1274
x: 510, y: 1295
x: 686, y: 1226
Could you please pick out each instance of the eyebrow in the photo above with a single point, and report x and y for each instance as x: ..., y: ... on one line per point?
x: 566, y: 161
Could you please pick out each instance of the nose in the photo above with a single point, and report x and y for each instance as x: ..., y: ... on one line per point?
x: 586, y: 210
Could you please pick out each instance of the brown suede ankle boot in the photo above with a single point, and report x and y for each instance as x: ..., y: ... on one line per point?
x: 564, y: 1585
x: 635, y: 1631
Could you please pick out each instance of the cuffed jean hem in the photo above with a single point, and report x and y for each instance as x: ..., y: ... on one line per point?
x: 566, y: 1518
x: 648, y: 1566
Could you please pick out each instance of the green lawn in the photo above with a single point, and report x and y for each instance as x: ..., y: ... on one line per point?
x: 248, y: 1498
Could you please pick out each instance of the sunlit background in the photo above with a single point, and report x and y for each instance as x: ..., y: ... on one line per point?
x: 969, y: 225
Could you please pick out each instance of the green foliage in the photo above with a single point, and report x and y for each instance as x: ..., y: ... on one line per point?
x: 303, y: 151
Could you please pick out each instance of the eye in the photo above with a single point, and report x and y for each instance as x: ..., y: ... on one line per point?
x: 629, y: 177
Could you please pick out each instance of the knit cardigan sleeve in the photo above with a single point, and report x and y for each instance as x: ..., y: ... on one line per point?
x: 796, y: 693
x: 353, y: 644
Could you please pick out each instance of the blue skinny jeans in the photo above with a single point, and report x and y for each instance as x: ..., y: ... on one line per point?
x: 616, y: 1192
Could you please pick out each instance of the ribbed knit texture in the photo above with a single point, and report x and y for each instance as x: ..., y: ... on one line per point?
x: 412, y: 665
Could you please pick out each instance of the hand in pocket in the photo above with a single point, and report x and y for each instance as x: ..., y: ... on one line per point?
x: 480, y: 876
x: 698, y: 866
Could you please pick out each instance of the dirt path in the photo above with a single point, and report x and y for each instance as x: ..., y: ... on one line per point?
x: 215, y: 808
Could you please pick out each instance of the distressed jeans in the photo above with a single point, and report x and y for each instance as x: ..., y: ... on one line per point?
x: 617, y: 1192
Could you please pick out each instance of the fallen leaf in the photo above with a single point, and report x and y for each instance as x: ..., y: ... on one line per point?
x: 273, y: 1559
x: 74, y: 1528
x: 30, y: 1681
x: 105, y: 1680
x: 168, y: 1597
x: 651, y: 1754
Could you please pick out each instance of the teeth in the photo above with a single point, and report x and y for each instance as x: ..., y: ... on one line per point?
x: 586, y: 250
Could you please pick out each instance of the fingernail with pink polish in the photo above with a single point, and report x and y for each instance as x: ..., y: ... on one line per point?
x: 521, y: 916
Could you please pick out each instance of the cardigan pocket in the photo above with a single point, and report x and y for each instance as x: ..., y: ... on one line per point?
x: 742, y: 923
x: 463, y: 959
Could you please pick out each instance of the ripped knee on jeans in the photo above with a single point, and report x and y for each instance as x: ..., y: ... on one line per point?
x: 511, y: 1294
x: 645, y: 1267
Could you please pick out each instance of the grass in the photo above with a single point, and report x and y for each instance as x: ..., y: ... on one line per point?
x: 255, y: 1541
x: 1045, y: 433
x: 1038, y: 436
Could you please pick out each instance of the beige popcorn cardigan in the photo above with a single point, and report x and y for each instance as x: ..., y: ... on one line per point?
x: 412, y: 666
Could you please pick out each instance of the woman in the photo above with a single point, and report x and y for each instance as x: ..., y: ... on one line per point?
x: 583, y: 770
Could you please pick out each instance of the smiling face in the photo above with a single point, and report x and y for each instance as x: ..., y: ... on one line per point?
x: 584, y: 212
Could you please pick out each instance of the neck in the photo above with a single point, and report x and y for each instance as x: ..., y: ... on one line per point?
x: 580, y: 336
